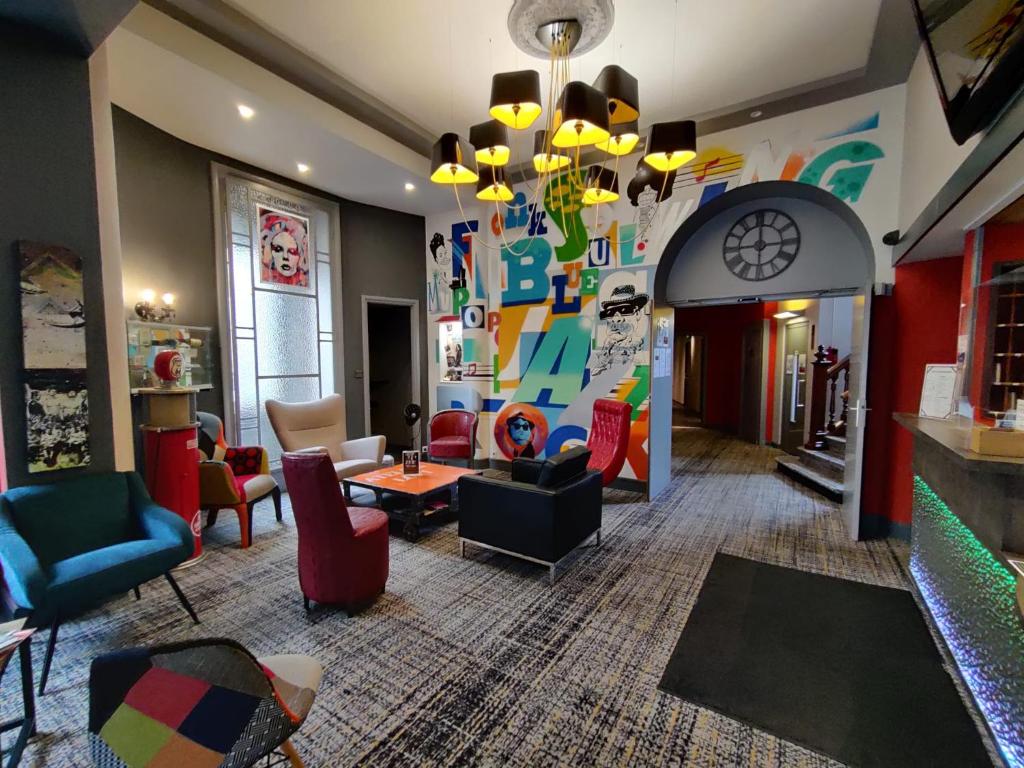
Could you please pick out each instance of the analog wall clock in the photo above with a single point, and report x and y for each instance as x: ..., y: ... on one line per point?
x: 762, y: 244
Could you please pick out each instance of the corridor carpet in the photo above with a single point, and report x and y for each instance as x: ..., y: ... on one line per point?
x: 845, y: 668
x: 477, y: 661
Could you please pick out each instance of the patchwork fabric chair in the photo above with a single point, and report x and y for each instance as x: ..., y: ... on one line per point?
x: 319, y: 427
x: 235, y: 477
x: 66, y: 547
x: 453, y: 435
x: 343, y: 551
x: 609, y: 438
x: 200, y: 704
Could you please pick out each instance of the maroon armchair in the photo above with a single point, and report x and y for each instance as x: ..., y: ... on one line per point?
x: 609, y: 438
x: 343, y: 551
x: 453, y: 435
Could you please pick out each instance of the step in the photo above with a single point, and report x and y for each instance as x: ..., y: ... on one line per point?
x: 836, y: 444
x: 792, y: 467
x: 826, y: 463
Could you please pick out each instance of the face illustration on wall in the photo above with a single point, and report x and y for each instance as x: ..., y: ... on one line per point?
x: 623, y: 329
x: 284, y: 249
x: 521, y: 431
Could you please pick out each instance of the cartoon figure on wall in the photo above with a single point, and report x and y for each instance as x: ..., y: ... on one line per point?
x: 622, y: 332
x: 521, y: 431
x: 284, y: 250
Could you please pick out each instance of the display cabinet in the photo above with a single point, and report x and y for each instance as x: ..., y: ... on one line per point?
x: 194, y: 343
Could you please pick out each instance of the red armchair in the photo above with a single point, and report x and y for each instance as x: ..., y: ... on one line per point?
x: 343, y: 551
x: 453, y: 435
x: 609, y: 438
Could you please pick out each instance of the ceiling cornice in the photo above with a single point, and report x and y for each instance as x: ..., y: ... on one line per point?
x: 234, y: 30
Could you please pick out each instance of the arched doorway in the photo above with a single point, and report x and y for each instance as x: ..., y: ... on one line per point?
x: 764, y: 242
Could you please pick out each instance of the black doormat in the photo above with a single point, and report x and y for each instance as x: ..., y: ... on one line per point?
x: 847, y: 669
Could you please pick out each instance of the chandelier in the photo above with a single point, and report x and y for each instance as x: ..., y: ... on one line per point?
x: 578, y: 117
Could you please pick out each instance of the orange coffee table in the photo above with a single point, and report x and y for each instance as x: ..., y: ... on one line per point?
x: 432, y: 483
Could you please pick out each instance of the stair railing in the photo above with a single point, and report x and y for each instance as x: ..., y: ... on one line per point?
x: 842, y: 368
x: 819, y: 399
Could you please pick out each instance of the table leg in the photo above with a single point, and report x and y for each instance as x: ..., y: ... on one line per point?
x: 453, y: 502
x: 412, y: 522
x: 28, y: 693
x: 347, y: 488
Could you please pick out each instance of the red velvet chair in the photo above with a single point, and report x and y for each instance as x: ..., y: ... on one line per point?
x: 609, y: 438
x: 453, y: 435
x: 343, y: 551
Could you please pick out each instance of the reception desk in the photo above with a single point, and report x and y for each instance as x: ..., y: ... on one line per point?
x: 968, y: 524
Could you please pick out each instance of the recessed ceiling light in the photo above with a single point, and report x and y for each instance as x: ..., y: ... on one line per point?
x: 756, y: 113
x: 245, y: 111
x: 785, y: 315
x: 303, y: 168
x: 409, y: 186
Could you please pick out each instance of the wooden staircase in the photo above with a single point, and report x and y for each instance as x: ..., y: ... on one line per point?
x: 820, y: 464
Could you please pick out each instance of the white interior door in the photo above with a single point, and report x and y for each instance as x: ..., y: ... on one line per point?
x: 857, y: 417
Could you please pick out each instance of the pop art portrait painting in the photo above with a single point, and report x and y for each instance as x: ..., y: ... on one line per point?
x: 284, y: 251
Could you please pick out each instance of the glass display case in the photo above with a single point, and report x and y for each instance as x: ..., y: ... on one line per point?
x: 194, y: 343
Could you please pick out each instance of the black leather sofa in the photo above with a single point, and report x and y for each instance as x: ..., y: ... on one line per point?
x: 542, y: 514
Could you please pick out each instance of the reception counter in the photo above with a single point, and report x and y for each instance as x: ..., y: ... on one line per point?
x: 968, y: 524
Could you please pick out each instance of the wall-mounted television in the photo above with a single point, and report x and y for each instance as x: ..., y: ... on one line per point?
x: 976, y: 50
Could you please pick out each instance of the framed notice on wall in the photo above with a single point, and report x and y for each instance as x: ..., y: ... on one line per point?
x: 938, y: 391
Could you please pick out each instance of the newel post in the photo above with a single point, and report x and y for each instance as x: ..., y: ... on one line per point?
x: 819, y: 383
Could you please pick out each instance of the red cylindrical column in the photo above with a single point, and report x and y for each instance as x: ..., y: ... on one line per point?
x: 172, y: 474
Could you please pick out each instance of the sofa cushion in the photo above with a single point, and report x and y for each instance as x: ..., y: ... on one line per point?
x: 454, y: 447
x: 351, y: 467
x: 83, y: 580
x: 65, y: 519
x: 254, y: 487
x: 563, y: 467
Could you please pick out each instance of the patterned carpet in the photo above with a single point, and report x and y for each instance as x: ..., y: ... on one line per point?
x: 478, y: 661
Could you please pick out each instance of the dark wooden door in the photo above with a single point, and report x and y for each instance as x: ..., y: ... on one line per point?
x: 750, y: 383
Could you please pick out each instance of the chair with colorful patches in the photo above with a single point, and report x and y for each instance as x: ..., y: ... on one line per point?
x: 235, y: 477
x: 201, y: 703
x: 453, y: 435
x: 609, y: 438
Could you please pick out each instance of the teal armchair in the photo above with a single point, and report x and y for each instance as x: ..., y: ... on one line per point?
x: 66, y: 547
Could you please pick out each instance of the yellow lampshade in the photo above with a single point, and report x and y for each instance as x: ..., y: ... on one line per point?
x: 493, y: 185
x: 623, y: 140
x: 581, y: 117
x: 602, y: 186
x: 490, y: 139
x: 515, y: 98
x: 452, y: 161
x: 671, y: 145
x: 545, y: 161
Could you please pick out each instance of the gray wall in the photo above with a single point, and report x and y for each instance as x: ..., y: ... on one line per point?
x: 48, y: 194
x: 831, y: 256
x: 167, y: 231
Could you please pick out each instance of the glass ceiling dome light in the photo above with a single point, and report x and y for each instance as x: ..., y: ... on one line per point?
x: 623, y: 94
x: 490, y: 139
x: 602, y: 186
x: 515, y: 98
x: 545, y: 161
x: 623, y: 140
x: 452, y: 161
x: 493, y: 185
x: 581, y: 117
x: 671, y: 145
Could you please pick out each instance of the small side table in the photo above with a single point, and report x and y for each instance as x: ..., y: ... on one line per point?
x: 26, y: 724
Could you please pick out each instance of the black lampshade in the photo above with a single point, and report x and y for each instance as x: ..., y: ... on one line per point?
x: 670, y: 145
x: 623, y: 93
x: 545, y: 157
x: 493, y: 185
x: 660, y: 181
x: 623, y: 140
x: 452, y: 161
x: 490, y: 140
x: 581, y: 117
x: 515, y: 98
x: 602, y: 186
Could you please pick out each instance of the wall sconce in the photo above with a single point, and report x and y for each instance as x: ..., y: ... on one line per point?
x: 147, y: 310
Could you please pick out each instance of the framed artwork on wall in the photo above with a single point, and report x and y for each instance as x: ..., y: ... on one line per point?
x: 284, y: 259
x: 53, y: 338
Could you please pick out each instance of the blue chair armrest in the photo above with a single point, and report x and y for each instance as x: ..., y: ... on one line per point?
x: 21, y: 569
x: 156, y: 521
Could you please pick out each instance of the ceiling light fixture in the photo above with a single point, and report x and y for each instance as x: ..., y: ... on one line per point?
x: 671, y: 145
x: 303, y: 168
x: 785, y: 315
x: 492, y: 185
x: 756, y: 113
x: 246, y: 112
x: 409, y: 186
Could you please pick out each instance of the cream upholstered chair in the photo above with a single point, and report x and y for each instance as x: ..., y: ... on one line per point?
x: 319, y: 427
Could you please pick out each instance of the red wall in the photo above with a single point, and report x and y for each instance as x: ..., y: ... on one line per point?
x: 722, y: 328
x: 918, y: 325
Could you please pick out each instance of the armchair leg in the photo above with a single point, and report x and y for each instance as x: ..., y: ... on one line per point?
x: 551, y: 575
x: 211, y: 518
x: 292, y: 755
x: 181, y: 597
x: 276, y: 493
x: 48, y: 658
x: 250, y: 516
x: 138, y: 595
x: 244, y: 527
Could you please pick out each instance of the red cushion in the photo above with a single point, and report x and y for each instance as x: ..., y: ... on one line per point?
x: 454, y: 447
x: 366, y: 520
x: 609, y: 438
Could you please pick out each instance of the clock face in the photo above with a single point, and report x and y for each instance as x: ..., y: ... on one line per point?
x: 760, y: 245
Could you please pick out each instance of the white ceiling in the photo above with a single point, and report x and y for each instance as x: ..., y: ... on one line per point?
x: 432, y: 60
